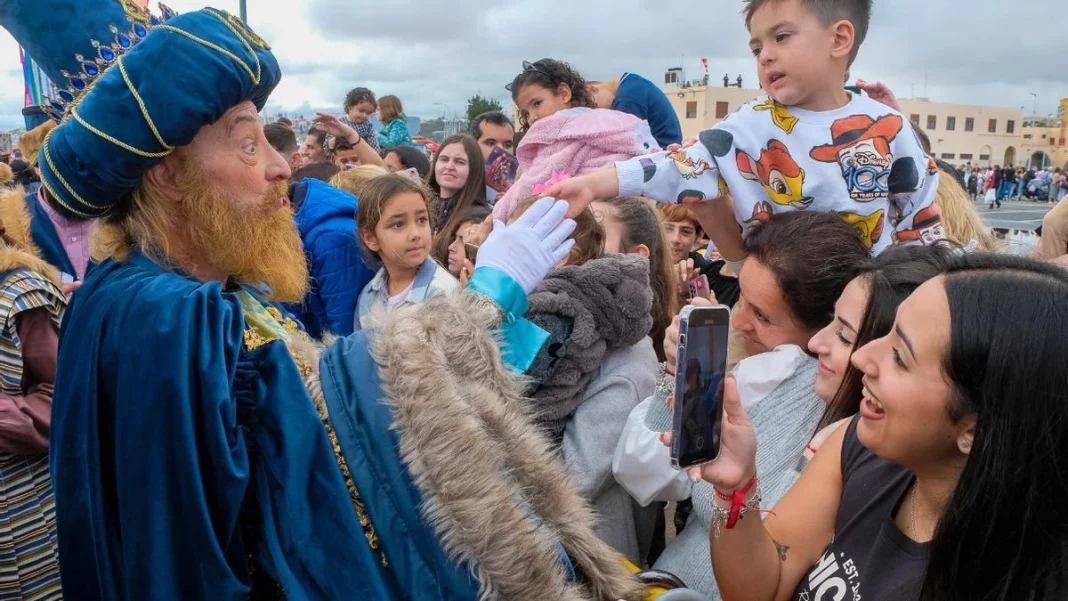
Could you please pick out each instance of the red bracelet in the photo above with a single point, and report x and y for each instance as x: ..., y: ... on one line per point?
x: 737, y: 499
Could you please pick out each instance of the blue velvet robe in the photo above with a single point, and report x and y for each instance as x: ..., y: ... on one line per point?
x: 362, y: 420
x: 169, y: 438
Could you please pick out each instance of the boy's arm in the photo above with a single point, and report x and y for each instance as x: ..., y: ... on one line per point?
x: 686, y: 176
x: 689, y: 175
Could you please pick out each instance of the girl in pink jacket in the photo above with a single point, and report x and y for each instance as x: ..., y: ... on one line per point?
x: 564, y: 133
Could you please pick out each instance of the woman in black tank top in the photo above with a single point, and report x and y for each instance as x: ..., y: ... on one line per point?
x: 951, y: 483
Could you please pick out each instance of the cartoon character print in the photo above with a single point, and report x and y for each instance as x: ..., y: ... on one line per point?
x: 780, y: 115
x: 761, y: 213
x: 687, y: 167
x: 861, y: 147
x: 926, y: 228
x: 783, y: 179
x: 870, y: 227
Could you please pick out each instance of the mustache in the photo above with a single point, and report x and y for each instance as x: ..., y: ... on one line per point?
x: 275, y: 193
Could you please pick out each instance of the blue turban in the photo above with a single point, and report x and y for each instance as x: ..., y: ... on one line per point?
x: 133, y: 89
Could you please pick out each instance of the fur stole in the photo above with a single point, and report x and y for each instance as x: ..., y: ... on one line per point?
x: 481, y: 463
x: 18, y: 251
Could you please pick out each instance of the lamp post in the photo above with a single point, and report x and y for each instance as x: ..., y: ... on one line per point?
x: 243, y: 11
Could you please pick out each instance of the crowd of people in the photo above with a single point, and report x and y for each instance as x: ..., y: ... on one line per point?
x: 994, y: 184
x: 239, y: 365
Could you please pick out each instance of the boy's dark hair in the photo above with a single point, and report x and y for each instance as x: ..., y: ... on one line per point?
x: 285, y: 121
x: 281, y: 138
x: 321, y: 171
x: 494, y: 117
x: 857, y: 12
x: 320, y: 136
x: 341, y: 144
x: 359, y: 96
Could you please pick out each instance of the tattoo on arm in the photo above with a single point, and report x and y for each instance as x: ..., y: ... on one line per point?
x: 782, y: 549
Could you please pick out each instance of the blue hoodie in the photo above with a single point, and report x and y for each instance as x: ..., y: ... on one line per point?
x: 326, y: 220
x: 641, y: 98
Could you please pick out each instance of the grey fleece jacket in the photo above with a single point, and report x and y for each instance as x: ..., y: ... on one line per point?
x: 626, y: 377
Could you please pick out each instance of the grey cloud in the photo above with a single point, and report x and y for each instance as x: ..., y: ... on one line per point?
x: 429, y: 52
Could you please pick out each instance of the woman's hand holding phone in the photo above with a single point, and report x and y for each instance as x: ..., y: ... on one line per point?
x: 736, y: 463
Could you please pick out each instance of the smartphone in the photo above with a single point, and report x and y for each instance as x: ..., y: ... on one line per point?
x: 700, y: 370
x: 699, y: 288
x: 501, y: 169
x: 472, y: 253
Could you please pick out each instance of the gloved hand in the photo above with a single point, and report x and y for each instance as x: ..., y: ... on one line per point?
x: 529, y: 248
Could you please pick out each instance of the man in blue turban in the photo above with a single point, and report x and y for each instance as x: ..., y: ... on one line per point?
x: 202, y: 446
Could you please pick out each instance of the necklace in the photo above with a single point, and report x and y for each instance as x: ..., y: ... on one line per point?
x: 912, y: 511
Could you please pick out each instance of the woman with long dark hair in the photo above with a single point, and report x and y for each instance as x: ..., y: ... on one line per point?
x: 864, y: 312
x: 950, y: 484
x: 458, y: 182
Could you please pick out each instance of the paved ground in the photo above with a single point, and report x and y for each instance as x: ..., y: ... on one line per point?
x: 1015, y: 215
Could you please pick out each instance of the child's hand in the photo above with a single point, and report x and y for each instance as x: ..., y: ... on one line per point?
x: 579, y: 192
x: 574, y: 191
x: 879, y: 92
x: 334, y: 127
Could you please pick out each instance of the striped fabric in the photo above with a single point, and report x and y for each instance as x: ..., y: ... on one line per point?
x: 29, y: 555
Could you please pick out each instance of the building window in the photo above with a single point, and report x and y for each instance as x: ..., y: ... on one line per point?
x: 984, y: 157
x: 691, y: 109
x: 932, y: 122
x: 1026, y: 136
x: 992, y: 127
x: 1010, y: 127
x: 966, y: 157
x: 915, y: 119
x: 721, y: 110
x: 948, y: 155
x: 969, y: 124
x: 951, y: 123
x: 671, y: 77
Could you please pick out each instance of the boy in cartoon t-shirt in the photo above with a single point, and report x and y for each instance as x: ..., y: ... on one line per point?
x: 808, y: 145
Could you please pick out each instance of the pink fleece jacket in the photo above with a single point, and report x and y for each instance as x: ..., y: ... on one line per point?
x: 574, y: 141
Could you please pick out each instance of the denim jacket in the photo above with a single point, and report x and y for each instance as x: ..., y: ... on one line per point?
x: 431, y: 280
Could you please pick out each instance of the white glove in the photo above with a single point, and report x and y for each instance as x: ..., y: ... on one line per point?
x: 532, y: 246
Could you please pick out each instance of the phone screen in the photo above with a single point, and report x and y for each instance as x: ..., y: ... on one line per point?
x: 699, y: 377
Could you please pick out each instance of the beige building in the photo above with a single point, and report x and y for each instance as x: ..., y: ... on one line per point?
x: 959, y: 133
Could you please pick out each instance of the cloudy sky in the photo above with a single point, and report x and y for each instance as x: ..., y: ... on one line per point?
x: 436, y: 54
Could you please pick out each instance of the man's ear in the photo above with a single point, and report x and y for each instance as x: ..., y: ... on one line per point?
x: 844, y: 39
x: 164, y: 177
x: 641, y: 249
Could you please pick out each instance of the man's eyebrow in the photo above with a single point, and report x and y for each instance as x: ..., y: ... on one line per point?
x: 239, y: 120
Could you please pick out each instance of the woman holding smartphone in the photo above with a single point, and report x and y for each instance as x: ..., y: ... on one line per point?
x: 798, y: 265
x: 949, y: 484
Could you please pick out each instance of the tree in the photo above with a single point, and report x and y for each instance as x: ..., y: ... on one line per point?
x: 477, y: 105
x: 430, y: 127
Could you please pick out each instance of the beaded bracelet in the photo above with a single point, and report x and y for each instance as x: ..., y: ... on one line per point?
x: 664, y: 384
x: 729, y: 517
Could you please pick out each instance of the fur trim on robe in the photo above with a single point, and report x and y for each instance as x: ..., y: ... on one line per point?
x: 16, y: 223
x: 472, y: 448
